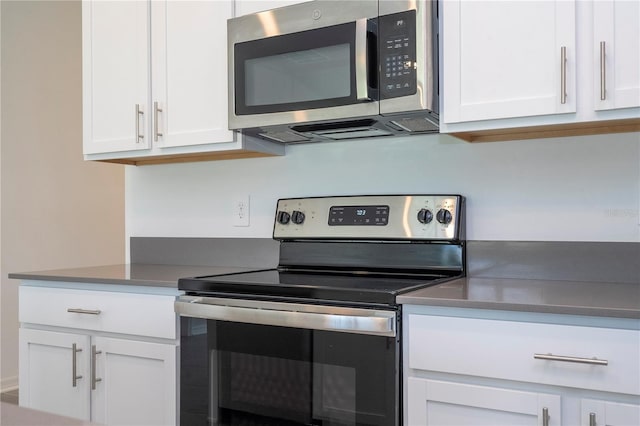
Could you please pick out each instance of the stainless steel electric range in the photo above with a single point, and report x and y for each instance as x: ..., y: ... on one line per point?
x: 316, y: 341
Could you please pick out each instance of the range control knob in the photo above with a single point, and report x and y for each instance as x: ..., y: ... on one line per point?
x: 283, y: 217
x: 425, y: 216
x: 444, y: 216
x: 297, y: 217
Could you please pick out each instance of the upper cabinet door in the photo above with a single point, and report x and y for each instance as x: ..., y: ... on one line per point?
x: 115, y: 51
x: 189, y: 72
x: 508, y: 59
x: 616, y: 39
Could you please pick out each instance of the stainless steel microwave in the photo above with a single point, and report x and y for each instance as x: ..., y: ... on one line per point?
x: 332, y: 70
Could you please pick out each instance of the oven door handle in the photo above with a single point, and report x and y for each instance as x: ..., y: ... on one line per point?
x: 327, y: 318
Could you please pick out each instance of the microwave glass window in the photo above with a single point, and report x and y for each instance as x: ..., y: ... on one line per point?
x: 300, y: 76
x: 297, y: 71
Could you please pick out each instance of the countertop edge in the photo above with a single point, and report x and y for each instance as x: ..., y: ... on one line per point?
x: 96, y: 275
x: 501, y: 306
x: 141, y: 275
x: 90, y: 280
x: 456, y: 294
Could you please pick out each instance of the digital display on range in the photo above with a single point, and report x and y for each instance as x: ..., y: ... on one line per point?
x: 358, y: 215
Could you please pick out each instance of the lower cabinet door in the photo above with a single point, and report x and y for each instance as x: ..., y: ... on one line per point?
x: 599, y: 413
x: 134, y: 382
x: 434, y: 402
x: 54, y: 372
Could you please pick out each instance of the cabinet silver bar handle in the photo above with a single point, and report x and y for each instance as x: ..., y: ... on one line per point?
x: 551, y: 357
x: 156, y: 133
x: 139, y: 112
x: 592, y: 419
x: 74, y: 365
x: 84, y: 311
x: 94, y: 355
x: 563, y: 75
x: 603, y: 82
x: 545, y: 416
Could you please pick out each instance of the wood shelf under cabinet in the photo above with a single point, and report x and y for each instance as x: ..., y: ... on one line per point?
x: 551, y: 131
x: 186, y: 158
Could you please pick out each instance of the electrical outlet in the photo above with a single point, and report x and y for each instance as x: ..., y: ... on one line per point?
x: 241, y: 211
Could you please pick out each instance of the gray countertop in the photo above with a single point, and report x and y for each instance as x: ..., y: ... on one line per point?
x: 527, y: 295
x: 138, y: 274
x: 620, y: 300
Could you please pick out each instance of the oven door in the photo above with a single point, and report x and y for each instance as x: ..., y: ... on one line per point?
x: 263, y: 363
x: 302, y: 63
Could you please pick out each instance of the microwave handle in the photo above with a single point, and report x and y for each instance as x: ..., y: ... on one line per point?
x: 362, y: 87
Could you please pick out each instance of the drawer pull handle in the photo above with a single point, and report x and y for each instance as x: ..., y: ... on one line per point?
x: 545, y: 416
x: 74, y: 365
x: 592, y: 361
x: 84, y: 311
x: 592, y: 419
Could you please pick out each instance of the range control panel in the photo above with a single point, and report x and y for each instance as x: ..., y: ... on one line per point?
x: 373, y: 217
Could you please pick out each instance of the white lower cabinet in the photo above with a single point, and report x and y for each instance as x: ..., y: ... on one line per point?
x: 88, y: 368
x: 598, y: 412
x: 135, y: 382
x: 435, y: 403
x: 474, y: 367
x: 54, y: 377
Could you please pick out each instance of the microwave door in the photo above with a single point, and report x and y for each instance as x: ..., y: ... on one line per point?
x: 322, y: 73
x: 305, y: 71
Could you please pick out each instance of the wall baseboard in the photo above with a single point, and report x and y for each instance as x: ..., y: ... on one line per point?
x: 8, y: 384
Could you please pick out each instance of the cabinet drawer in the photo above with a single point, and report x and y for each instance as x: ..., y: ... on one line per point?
x: 127, y: 313
x: 505, y: 350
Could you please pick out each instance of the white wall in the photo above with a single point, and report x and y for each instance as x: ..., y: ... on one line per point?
x: 57, y: 210
x: 565, y: 189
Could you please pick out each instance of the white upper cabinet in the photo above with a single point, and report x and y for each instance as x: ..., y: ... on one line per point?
x: 616, y: 46
x: 189, y: 79
x: 529, y: 69
x: 115, y: 75
x: 505, y: 59
x: 155, y: 82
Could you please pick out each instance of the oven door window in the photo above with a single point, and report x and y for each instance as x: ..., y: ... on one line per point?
x: 305, y: 70
x: 246, y: 374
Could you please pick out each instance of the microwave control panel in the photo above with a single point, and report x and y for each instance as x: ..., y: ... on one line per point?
x: 397, y: 34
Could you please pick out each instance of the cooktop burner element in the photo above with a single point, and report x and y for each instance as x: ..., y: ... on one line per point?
x: 360, y: 250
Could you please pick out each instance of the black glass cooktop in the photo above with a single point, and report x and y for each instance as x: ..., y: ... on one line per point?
x: 312, y: 287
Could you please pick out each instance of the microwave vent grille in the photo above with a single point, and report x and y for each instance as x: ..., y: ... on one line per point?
x: 362, y: 132
x: 285, y: 137
x: 416, y: 124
